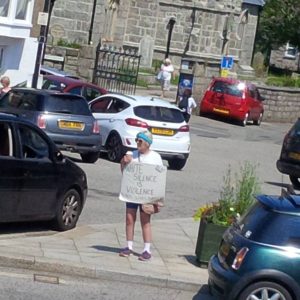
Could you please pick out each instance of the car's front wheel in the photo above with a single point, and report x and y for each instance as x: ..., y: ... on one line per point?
x: 265, y: 290
x: 90, y: 157
x: 295, y: 181
x: 115, y: 149
x: 68, y: 211
x: 177, y: 163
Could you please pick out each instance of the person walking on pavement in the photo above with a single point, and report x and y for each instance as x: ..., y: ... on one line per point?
x: 5, y: 82
x: 187, y: 104
x: 143, y: 154
x: 166, y: 73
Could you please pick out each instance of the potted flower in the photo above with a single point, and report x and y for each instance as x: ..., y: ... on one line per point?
x: 236, y: 196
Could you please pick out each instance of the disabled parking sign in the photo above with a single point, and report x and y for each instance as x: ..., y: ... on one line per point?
x: 227, y: 62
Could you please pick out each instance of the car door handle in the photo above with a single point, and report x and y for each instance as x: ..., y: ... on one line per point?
x: 111, y: 120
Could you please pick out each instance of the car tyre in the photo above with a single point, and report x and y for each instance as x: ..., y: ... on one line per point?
x: 177, y: 163
x: 295, y: 181
x: 68, y: 211
x: 265, y: 290
x: 90, y: 157
x: 258, y: 121
x: 115, y: 149
x: 245, y: 120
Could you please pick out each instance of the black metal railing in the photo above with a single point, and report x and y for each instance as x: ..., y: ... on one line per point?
x: 116, y: 69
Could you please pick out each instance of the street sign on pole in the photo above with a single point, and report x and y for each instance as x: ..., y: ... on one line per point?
x: 227, y: 62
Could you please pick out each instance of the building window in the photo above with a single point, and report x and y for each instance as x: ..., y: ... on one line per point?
x: 4, y: 5
x: 21, y: 11
x: 290, y: 51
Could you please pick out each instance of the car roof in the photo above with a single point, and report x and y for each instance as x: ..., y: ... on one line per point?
x: 69, y: 80
x: 137, y: 100
x: 232, y: 80
x: 286, y: 203
x: 54, y: 71
x: 45, y: 92
x: 8, y: 116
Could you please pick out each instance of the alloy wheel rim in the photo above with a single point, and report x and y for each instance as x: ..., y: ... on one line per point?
x: 266, y: 294
x: 245, y: 119
x: 70, y: 210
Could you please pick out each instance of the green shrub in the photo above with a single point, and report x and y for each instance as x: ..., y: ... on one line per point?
x: 236, y: 196
x: 64, y: 43
x: 282, y: 81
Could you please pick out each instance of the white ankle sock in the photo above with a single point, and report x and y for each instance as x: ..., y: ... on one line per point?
x: 130, y: 244
x: 147, y: 247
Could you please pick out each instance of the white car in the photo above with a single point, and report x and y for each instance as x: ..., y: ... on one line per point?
x: 121, y: 117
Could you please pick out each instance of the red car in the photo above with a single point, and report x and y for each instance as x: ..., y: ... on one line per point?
x: 74, y: 86
x: 234, y: 99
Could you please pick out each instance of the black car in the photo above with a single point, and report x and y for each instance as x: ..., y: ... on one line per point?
x: 259, y: 256
x: 289, y: 161
x: 66, y: 119
x: 36, y: 181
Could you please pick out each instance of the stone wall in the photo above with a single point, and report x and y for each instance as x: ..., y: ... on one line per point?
x: 281, y: 104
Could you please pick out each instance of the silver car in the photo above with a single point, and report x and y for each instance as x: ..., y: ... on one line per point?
x: 66, y: 119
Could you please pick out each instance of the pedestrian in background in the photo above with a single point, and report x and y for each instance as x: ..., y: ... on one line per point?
x: 187, y: 104
x: 143, y: 154
x: 165, y: 75
x: 5, y: 82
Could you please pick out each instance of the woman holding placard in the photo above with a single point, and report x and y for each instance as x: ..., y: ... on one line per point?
x: 143, y: 154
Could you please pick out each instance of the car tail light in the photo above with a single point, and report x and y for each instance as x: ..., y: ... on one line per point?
x: 136, y: 123
x: 41, y: 122
x: 96, y: 128
x: 184, y: 128
x: 239, y: 258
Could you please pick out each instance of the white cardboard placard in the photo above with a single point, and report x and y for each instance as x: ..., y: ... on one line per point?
x: 143, y: 183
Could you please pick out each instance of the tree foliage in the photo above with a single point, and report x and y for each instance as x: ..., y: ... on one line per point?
x: 279, y: 24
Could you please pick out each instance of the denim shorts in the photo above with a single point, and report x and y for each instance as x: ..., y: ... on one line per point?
x: 132, y: 205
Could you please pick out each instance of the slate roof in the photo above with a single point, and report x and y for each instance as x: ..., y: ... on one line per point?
x: 255, y: 2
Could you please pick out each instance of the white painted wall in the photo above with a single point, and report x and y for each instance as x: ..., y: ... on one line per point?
x: 19, y: 49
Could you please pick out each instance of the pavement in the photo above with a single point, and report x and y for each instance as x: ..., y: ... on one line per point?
x: 92, y: 251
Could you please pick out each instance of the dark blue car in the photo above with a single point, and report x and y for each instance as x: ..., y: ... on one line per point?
x: 259, y: 256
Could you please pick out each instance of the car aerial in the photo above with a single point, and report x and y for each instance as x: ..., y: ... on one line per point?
x: 289, y: 160
x: 259, y: 255
x: 121, y: 117
x: 36, y: 181
x: 71, y: 85
x: 66, y: 118
x: 232, y: 98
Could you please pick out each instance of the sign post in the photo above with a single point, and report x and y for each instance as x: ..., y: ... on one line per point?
x: 226, y: 65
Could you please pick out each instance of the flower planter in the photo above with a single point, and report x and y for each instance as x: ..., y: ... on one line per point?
x: 209, y: 238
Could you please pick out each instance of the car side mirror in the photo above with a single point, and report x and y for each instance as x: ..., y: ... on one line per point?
x: 261, y: 98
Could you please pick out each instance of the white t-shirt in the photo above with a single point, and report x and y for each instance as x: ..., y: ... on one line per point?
x: 167, y: 71
x: 151, y: 158
x: 192, y: 104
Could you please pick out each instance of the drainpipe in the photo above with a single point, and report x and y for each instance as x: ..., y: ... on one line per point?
x: 42, y: 39
x: 170, y: 26
x: 92, y: 22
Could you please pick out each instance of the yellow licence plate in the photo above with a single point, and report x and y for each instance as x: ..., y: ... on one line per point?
x: 162, y: 131
x: 294, y: 155
x: 222, y: 111
x: 70, y: 125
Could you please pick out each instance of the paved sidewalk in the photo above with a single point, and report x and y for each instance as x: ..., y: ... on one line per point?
x: 92, y: 251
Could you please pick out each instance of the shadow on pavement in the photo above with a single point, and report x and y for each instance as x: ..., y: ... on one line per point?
x: 28, y: 228
x: 111, y: 249
x: 203, y: 294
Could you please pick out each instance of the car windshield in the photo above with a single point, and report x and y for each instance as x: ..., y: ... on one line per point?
x: 233, y: 89
x: 67, y: 104
x: 159, y: 113
x: 53, y: 85
x: 280, y: 229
